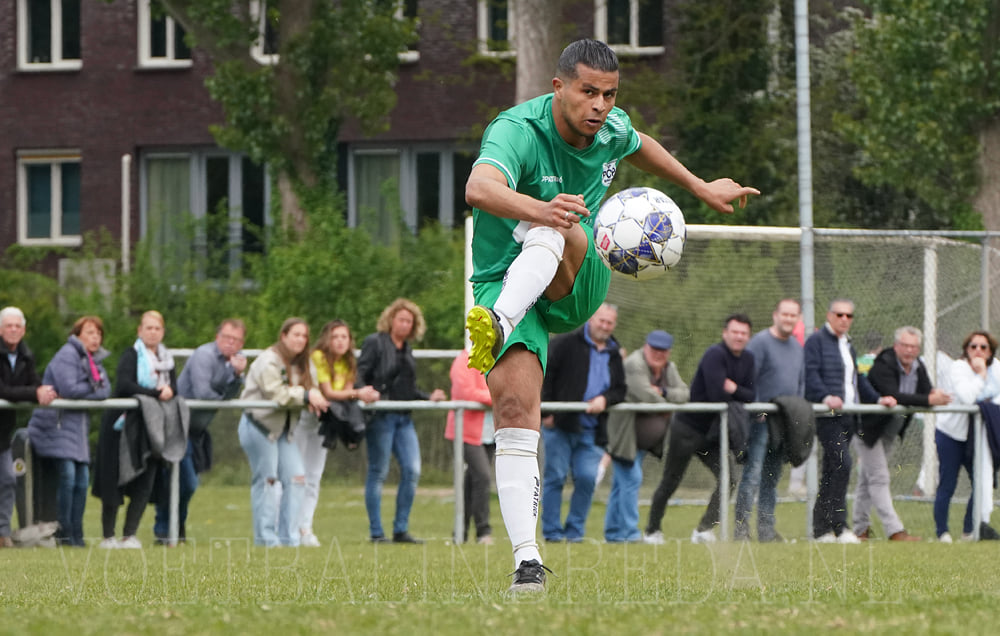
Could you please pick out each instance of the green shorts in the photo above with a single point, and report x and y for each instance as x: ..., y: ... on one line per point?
x: 590, y: 289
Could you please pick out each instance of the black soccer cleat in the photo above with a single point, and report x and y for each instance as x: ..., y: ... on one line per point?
x: 529, y: 578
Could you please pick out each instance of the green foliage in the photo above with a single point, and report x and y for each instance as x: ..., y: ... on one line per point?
x: 926, y: 83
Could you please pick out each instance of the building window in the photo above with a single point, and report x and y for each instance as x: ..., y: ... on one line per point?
x: 48, y: 34
x: 203, y: 207
x: 48, y: 198
x: 413, y: 185
x: 161, y: 38
x: 496, y: 27
x: 408, y: 10
x: 630, y: 26
x: 265, y: 47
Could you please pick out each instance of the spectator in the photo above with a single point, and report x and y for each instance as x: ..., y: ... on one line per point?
x: 974, y: 376
x: 778, y: 371
x: 59, y: 437
x: 387, y: 363
x: 725, y: 374
x: 584, y: 365
x: 336, y: 368
x: 19, y: 382
x: 145, y: 370
x: 282, y: 374
x: 650, y: 377
x: 213, y: 372
x: 899, y: 372
x: 832, y: 379
x: 477, y: 445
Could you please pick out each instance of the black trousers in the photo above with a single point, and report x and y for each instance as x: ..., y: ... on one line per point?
x: 478, y: 477
x: 685, y: 442
x: 830, y: 512
x: 140, y: 489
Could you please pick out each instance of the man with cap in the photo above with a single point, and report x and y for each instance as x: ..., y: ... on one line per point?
x: 650, y: 377
x: 777, y: 357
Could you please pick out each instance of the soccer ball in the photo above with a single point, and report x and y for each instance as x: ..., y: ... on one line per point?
x: 640, y: 232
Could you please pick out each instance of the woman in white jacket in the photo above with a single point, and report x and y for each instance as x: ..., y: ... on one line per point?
x: 972, y: 378
x: 283, y: 374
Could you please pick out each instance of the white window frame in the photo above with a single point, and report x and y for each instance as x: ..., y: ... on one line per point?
x: 146, y: 59
x: 55, y: 159
x: 409, y: 56
x: 627, y: 48
x: 483, y: 30
x: 257, y: 50
x: 57, y: 63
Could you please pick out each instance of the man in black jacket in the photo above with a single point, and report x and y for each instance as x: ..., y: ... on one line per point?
x: 584, y: 365
x: 19, y: 382
x: 897, y: 371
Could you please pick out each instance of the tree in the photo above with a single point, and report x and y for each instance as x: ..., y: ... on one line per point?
x: 336, y: 59
x: 539, y: 42
x: 927, y: 117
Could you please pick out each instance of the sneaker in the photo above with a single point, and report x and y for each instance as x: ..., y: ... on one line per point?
x: 309, y: 540
x: 109, y: 543
x: 703, y: 536
x: 848, y: 537
x: 486, y: 539
x: 829, y: 537
x: 987, y: 533
x: 865, y: 534
x: 945, y: 538
x: 773, y: 537
x: 486, y: 337
x: 903, y: 535
x: 968, y: 536
x: 380, y: 539
x: 654, y: 538
x: 130, y: 543
x: 529, y: 577
x: 404, y: 537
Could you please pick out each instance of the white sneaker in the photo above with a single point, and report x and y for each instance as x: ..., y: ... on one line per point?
x: 309, y: 540
x: 109, y: 543
x: 130, y: 543
x: 829, y: 537
x: 848, y: 537
x: 703, y: 536
x: 654, y: 538
x: 968, y: 536
x: 486, y: 539
x: 945, y: 538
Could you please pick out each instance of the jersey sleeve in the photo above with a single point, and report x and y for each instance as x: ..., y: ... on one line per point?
x: 508, y: 148
x: 626, y: 136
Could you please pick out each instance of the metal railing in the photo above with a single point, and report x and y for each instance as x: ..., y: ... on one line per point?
x: 460, y: 406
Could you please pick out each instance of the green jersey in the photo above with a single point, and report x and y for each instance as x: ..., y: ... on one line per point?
x: 525, y: 146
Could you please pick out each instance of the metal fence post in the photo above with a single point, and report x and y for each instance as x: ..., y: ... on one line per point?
x: 459, y: 478
x: 724, y: 475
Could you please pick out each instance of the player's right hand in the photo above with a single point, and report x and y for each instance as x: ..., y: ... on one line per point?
x: 564, y: 210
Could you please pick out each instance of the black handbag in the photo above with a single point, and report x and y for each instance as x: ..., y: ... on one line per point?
x: 343, y: 421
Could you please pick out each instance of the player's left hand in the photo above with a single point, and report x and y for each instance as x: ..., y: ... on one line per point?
x: 722, y: 193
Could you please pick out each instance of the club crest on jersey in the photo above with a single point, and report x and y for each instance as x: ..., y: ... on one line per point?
x: 608, y: 172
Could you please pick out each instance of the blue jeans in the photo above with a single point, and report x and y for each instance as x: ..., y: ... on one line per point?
x: 621, y: 522
x: 71, y: 499
x: 188, y: 484
x: 8, y: 489
x: 564, y: 452
x: 275, y: 516
x: 760, y: 479
x: 952, y: 457
x: 391, y: 434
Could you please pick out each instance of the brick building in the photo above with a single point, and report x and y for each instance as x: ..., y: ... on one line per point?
x: 84, y: 83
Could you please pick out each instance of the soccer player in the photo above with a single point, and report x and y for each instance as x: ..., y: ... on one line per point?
x: 542, y: 167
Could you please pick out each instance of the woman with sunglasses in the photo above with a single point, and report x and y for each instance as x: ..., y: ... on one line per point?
x: 973, y: 377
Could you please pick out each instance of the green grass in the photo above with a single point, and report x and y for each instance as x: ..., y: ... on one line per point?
x: 220, y: 583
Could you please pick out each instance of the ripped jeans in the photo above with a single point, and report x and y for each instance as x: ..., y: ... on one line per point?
x: 277, y: 485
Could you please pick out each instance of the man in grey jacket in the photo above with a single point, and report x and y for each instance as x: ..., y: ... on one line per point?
x: 650, y: 377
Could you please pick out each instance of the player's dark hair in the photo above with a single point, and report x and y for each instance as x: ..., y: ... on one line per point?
x: 740, y: 318
x: 590, y: 53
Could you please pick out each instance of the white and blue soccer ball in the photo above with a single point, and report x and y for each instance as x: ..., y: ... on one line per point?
x: 640, y: 232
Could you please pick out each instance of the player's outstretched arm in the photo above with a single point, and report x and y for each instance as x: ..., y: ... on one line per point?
x: 719, y: 195
x: 487, y: 190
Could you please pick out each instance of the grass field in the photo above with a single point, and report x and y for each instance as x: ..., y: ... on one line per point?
x: 219, y: 583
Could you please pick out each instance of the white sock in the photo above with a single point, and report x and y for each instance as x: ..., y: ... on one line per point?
x: 529, y: 275
x: 518, y: 488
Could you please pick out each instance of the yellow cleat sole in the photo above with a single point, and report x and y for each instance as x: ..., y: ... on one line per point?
x: 483, y: 329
